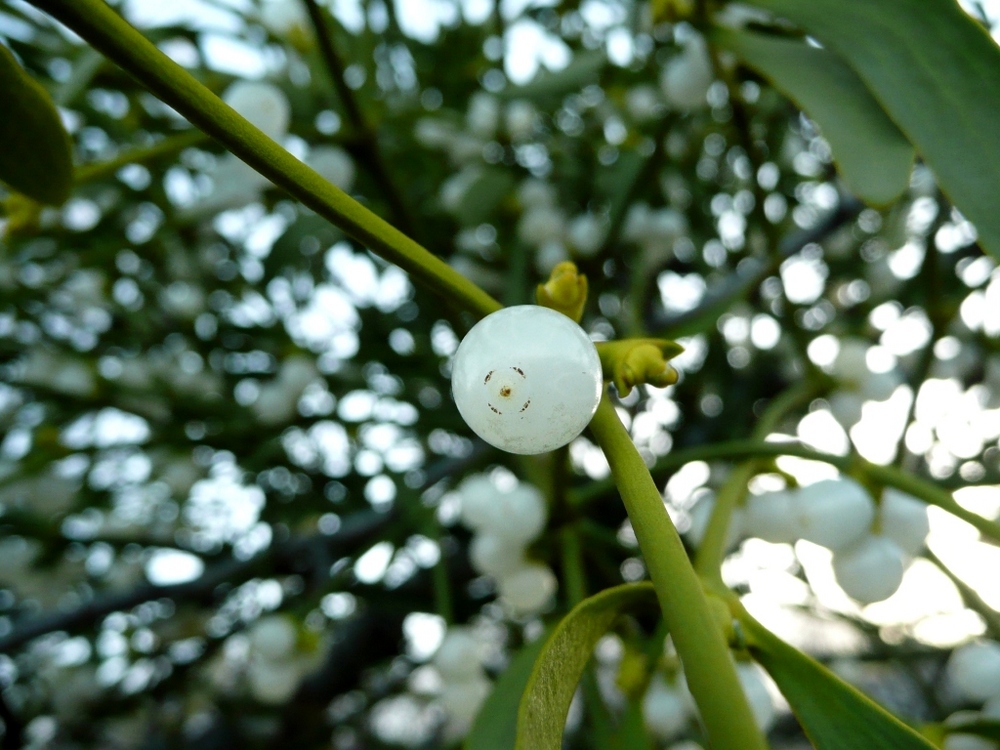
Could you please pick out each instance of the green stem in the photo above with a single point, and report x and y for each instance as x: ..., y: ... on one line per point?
x: 368, y: 140
x: 574, y: 575
x: 854, y: 465
x: 708, y: 666
x: 168, y: 147
x: 98, y: 24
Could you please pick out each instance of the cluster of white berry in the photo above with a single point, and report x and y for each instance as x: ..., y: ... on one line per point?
x: 974, y: 677
x: 857, y: 382
x: 279, y: 657
x: 871, y: 544
x: 464, y: 683
x: 505, y: 521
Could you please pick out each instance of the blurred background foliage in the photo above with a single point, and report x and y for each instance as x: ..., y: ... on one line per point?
x: 234, y: 489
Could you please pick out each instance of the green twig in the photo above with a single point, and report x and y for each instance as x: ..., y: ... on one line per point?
x: 370, y: 154
x: 98, y: 24
x: 885, y: 475
x: 970, y: 596
x: 708, y: 667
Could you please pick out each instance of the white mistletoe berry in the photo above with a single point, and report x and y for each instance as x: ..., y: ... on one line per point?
x: 458, y: 658
x: 686, y: 78
x: 334, y: 164
x: 903, y: 519
x: 495, y: 556
x: 263, y: 104
x: 665, y: 709
x: 974, y: 670
x: 527, y: 379
x: 870, y: 570
x: 528, y: 589
x: 834, y: 513
x: 273, y: 637
x: 770, y: 516
x: 522, y: 515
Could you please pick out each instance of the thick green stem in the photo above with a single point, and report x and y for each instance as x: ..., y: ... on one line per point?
x: 708, y: 666
x: 99, y: 25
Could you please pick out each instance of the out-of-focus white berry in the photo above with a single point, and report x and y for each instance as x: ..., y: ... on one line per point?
x: 991, y: 709
x: 687, y: 77
x: 974, y: 670
x: 523, y: 515
x: 536, y: 192
x: 643, y: 103
x: 846, y: 407
x: 298, y: 371
x: 458, y: 656
x: 461, y: 701
x: 755, y: 688
x: 273, y: 636
x: 183, y: 300
x: 528, y: 589
x: 263, y: 104
x: 665, y: 709
x: 527, y: 379
x: 550, y: 255
x: 771, y: 516
x: 87, y: 287
x: 60, y: 373
x: 858, y: 383
x: 967, y: 742
x: 273, y: 682
x: 276, y: 404
x: 454, y: 189
x: 834, y: 513
x: 520, y: 119
x: 870, y: 570
x: 701, y: 514
x: 334, y: 164
x: 686, y: 745
x: 495, y: 556
x: 483, y: 115
x: 903, y: 518
x: 284, y: 17
x: 433, y: 133
x: 541, y: 224
x: 479, y: 497
x: 586, y: 234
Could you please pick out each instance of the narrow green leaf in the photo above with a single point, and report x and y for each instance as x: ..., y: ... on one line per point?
x: 35, y: 154
x: 553, y: 681
x: 495, y: 727
x: 834, y: 715
x: 873, y: 157
x: 936, y: 73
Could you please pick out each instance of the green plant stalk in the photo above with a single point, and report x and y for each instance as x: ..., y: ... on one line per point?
x: 168, y: 147
x: 886, y: 475
x: 106, y: 31
x: 712, y: 551
x: 970, y: 596
x: 708, y: 666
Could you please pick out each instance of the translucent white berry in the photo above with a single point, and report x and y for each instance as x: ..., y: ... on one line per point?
x: 967, y: 742
x: 770, y: 516
x: 334, y: 164
x: 458, y: 656
x: 462, y: 700
x: 528, y: 589
x: 273, y: 637
x: 479, y: 497
x: 522, y: 515
x: 870, y: 570
x: 273, y: 682
x: 263, y: 104
x: 834, y: 513
x: 686, y: 78
x: 903, y: 519
x: 495, y: 556
x: 665, y: 709
x: 758, y: 696
x: 526, y: 379
x: 974, y: 670
x: 701, y: 514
